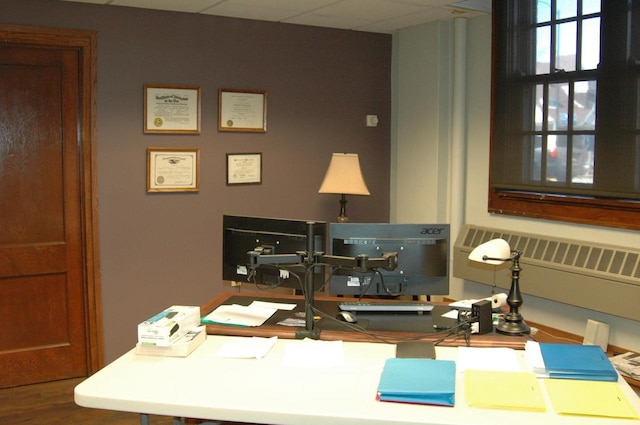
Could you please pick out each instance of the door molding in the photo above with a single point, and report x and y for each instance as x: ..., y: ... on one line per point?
x: 84, y: 42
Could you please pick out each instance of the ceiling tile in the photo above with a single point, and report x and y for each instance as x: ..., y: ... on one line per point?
x: 383, y: 16
x: 245, y: 11
x: 371, y: 10
x: 192, y: 6
x: 316, y: 20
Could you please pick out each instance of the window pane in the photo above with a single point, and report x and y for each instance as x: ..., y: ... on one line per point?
x: 543, y: 50
x: 566, y: 46
x: 540, y: 105
x: 638, y: 102
x: 557, y: 158
x: 530, y: 107
x: 582, y: 159
x: 590, y: 6
x: 584, y: 105
x: 537, y: 159
x: 590, y: 43
x: 637, y: 166
x: 566, y: 8
x: 543, y: 11
x: 558, y: 112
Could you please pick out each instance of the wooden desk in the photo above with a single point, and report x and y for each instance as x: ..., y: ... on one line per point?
x: 270, y: 390
x: 389, y: 328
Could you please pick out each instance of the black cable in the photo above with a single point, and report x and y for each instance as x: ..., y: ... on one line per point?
x: 464, y: 325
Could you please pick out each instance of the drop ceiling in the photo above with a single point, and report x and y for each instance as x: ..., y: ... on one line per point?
x: 381, y: 16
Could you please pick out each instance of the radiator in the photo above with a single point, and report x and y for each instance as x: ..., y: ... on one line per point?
x: 596, y: 276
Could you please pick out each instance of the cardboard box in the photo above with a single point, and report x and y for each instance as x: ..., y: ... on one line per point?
x: 169, y: 325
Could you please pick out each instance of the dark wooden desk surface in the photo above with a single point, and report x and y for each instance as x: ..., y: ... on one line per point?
x: 388, y: 330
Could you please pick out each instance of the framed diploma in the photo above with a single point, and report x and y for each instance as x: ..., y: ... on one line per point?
x: 244, y: 168
x: 171, y: 109
x: 242, y: 110
x: 173, y: 170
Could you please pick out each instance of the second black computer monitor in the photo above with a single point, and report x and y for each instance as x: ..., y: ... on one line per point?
x: 422, y: 251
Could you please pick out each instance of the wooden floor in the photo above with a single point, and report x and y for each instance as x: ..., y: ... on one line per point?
x: 52, y: 403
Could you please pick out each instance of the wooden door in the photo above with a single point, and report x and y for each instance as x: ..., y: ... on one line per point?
x: 48, y: 303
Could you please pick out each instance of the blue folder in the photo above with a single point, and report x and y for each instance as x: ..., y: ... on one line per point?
x: 423, y: 381
x: 573, y: 361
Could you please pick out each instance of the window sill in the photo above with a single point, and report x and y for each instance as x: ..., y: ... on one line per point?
x: 584, y: 210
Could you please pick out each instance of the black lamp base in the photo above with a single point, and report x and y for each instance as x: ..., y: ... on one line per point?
x: 513, y: 327
x: 513, y: 323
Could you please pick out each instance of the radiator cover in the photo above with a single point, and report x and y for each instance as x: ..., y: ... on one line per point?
x: 596, y: 276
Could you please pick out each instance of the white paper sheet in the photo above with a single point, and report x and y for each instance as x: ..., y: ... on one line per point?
x: 277, y: 306
x: 314, y: 353
x: 247, y: 348
x: 239, y: 315
x: 489, y: 358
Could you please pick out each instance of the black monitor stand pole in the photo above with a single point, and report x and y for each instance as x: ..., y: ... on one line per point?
x: 310, y: 331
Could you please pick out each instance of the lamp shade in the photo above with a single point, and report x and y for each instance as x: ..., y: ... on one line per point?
x: 495, y: 251
x: 344, y: 176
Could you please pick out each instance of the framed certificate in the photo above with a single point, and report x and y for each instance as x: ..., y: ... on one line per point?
x: 171, y: 109
x: 242, y: 110
x: 244, y: 168
x: 173, y: 170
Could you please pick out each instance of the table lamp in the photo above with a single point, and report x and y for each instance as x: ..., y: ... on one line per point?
x: 344, y: 177
x: 496, y: 252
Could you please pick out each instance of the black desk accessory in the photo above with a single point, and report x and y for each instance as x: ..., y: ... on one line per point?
x: 310, y: 258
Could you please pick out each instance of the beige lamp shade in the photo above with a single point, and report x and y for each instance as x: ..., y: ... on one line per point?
x: 495, y: 251
x: 344, y: 176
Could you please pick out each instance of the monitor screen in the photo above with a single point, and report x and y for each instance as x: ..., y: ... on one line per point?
x: 422, y: 252
x: 269, y: 236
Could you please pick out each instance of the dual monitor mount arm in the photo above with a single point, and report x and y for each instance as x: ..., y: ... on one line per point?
x: 310, y: 258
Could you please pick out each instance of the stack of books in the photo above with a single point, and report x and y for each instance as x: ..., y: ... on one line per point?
x: 570, y: 361
x: 421, y: 381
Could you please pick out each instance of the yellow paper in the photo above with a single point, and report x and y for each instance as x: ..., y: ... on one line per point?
x: 589, y: 398
x: 503, y: 390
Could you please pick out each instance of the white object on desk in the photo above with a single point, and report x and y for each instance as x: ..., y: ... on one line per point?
x: 267, y: 391
x: 490, y: 358
x: 314, y: 353
x: 247, y: 348
x: 240, y: 315
x: 497, y: 301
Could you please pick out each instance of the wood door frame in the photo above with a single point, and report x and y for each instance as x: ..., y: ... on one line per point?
x: 84, y: 42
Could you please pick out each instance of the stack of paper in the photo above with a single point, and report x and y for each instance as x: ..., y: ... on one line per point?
x: 423, y: 381
x: 589, y: 398
x: 503, y: 390
x: 570, y: 361
x: 239, y: 315
x: 254, y: 314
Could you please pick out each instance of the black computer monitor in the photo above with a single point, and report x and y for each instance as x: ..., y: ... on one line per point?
x: 269, y: 236
x: 422, y: 253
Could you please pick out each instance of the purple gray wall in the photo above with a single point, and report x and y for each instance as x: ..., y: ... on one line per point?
x: 163, y: 249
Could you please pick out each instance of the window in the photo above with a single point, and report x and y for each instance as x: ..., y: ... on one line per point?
x: 565, y: 139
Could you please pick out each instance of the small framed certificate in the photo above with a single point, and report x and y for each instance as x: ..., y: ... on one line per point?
x: 242, y: 110
x: 173, y: 170
x: 171, y: 109
x: 244, y: 168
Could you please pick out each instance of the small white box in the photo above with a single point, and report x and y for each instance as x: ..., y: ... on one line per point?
x: 596, y: 333
x: 167, y: 326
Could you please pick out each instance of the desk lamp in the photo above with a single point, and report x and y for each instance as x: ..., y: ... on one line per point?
x: 496, y: 252
x: 344, y: 177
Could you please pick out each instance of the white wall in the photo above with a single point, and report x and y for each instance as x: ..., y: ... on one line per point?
x: 419, y: 167
x: 421, y: 112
